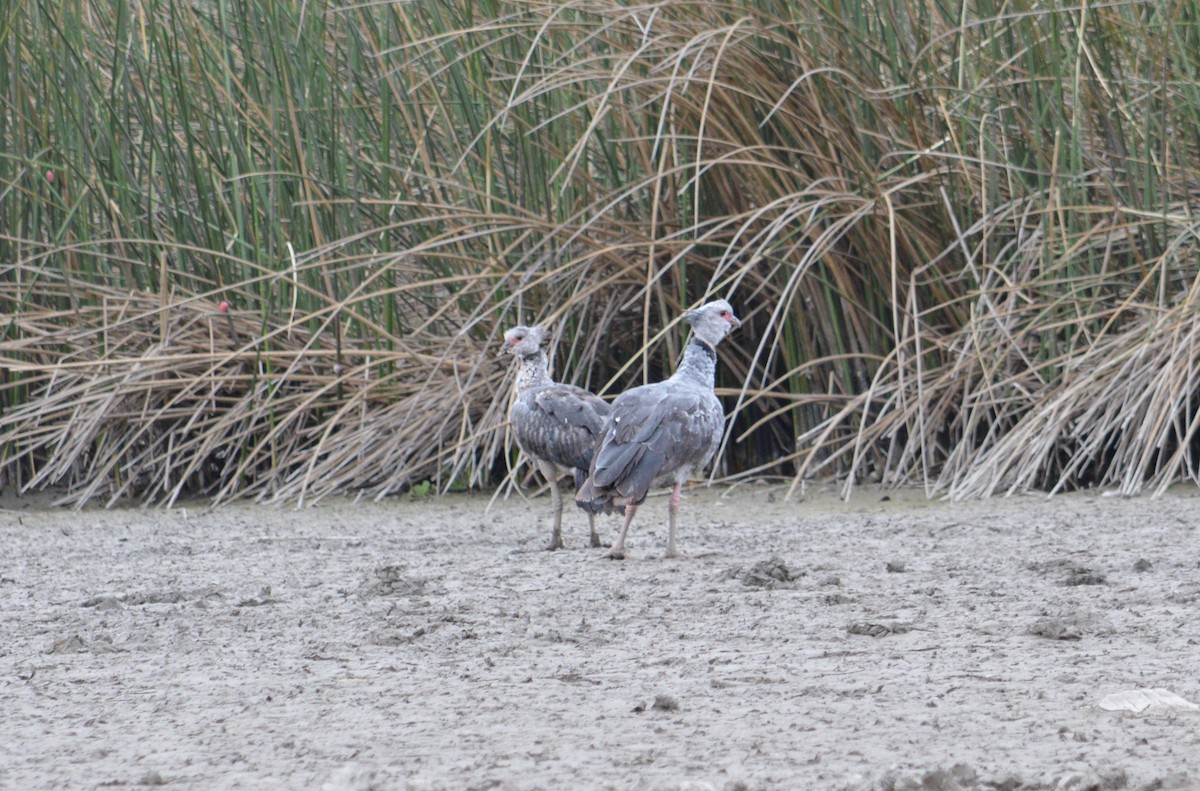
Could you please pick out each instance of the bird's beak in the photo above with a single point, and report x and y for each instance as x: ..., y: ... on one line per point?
x: 734, y: 320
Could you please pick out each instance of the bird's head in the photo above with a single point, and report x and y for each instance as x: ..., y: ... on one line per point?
x: 712, y: 321
x: 524, y: 341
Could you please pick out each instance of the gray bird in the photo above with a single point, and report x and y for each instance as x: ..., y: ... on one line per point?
x: 660, y: 433
x: 557, y: 425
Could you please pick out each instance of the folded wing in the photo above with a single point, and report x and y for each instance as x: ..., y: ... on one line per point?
x: 656, y: 432
x: 561, y: 424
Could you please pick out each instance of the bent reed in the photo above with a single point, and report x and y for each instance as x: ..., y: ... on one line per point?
x: 268, y: 249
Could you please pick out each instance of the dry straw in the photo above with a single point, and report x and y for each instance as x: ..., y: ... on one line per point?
x: 964, y: 238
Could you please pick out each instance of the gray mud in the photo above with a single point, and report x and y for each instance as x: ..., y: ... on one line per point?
x: 885, y: 643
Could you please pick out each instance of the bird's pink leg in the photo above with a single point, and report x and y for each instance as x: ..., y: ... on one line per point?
x: 672, y: 513
x: 556, y: 541
x: 618, y: 549
x: 592, y: 526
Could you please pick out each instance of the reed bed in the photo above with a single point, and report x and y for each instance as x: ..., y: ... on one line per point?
x: 963, y: 237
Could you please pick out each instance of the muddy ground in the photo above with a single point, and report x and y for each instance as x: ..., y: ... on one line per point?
x: 888, y: 642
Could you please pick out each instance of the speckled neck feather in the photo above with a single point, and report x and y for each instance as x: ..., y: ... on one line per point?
x: 535, y: 371
x: 699, y: 363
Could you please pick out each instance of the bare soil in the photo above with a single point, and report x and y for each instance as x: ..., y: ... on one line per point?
x: 886, y: 643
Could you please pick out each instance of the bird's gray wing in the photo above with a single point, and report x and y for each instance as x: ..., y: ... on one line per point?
x: 655, y: 431
x: 561, y: 423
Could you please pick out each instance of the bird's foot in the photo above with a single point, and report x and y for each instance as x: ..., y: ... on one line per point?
x: 597, y: 543
x: 555, y: 543
x: 675, y: 554
x: 615, y: 553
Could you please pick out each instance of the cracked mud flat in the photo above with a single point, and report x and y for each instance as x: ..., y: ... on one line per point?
x: 886, y: 643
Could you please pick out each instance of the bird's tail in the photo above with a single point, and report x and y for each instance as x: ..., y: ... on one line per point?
x: 590, y: 498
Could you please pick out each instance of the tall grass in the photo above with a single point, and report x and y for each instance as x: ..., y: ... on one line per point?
x: 963, y: 236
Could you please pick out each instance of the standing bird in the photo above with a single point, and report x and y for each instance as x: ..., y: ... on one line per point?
x: 557, y: 425
x: 660, y: 433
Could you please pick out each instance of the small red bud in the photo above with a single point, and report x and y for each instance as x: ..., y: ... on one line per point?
x: 50, y: 176
x: 223, y: 307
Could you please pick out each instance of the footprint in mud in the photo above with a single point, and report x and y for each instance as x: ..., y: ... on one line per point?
x: 141, y: 598
x: 76, y: 645
x: 879, y: 629
x: 264, y: 597
x: 1069, y: 572
x: 959, y: 777
x: 771, y: 574
x: 67, y: 645
x: 391, y: 580
x: 661, y: 703
x: 1069, y: 626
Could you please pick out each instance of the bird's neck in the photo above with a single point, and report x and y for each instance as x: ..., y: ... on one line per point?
x: 535, y: 372
x: 699, y: 363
